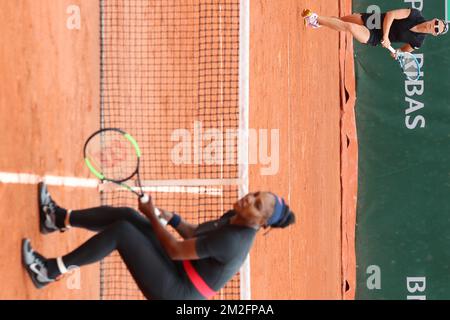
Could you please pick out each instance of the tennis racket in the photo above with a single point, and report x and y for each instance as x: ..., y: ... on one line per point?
x: 113, y: 155
x: 409, y: 64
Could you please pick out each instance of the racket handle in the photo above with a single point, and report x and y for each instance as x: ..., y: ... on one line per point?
x: 161, y: 219
x: 144, y: 199
x: 392, y: 49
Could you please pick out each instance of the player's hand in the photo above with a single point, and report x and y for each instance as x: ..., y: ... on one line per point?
x: 166, y: 215
x: 386, y: 43
x: 147, y: 208
x: 394, y: 55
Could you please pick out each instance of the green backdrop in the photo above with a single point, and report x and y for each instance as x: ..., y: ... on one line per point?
x: 403, y: 215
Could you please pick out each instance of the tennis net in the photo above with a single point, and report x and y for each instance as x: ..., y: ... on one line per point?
x: 170, y: 76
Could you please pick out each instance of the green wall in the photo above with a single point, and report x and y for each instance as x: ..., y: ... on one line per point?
x: 403, y: 214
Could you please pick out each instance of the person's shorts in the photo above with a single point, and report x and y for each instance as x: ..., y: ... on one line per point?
x: 376, y: 35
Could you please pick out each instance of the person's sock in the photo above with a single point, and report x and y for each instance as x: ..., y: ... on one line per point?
x: 60, y: 217
x: 55, y: 267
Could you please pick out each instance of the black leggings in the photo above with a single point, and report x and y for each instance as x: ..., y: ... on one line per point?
x: 132, y: 235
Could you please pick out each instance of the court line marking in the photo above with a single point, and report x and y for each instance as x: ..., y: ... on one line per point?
x: 244, y: 91
x: 193, y: 182
x: 207, y: 190
x: 29, y: 178
x: 213, y: 187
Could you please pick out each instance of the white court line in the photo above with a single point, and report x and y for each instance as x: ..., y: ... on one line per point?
x: 244, y: 91
x: 208, y: 190
x: 28, y: 178
x: 221, y: 92
x: 164, y: 186
x: 183, y: 189
x: 193, y: 182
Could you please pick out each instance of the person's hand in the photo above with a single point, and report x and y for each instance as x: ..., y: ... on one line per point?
x: 146, y: 208
x: 394, y: 55
x: 166, y: 215
x: 386, y: 43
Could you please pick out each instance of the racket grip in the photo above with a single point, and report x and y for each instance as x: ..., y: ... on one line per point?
x: 144, y: 199
x: 392, y: 49
x: 161, y: 219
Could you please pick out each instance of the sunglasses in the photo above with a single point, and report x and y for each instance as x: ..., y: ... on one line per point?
x: 436, y: 27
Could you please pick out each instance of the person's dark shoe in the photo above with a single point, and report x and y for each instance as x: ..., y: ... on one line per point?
x: 35, y: 264
x: 48, y: 211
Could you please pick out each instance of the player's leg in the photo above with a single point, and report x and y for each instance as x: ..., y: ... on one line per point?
x: 97, y: 219
x: 355, y: 18
x: 154, y: 272
x: 358, y: 30
x: 53, y: 217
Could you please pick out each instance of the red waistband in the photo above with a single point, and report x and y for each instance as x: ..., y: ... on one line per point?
x: 197, y: 280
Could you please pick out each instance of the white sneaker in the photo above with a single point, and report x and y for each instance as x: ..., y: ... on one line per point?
x: 310, y: 19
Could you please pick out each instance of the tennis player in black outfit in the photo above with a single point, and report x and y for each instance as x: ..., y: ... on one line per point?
x: 406, y: 26
x: 162, y: 266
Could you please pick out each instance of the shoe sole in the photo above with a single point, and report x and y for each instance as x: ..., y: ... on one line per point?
x: 36, y: 283
x: 42, y: 214
x: 306, y: 13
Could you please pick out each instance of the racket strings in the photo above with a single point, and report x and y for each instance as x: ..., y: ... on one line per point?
x: 410, y: 67
x: 113, y: 155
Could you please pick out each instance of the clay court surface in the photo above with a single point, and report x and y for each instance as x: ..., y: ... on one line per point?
x: 49, y: 103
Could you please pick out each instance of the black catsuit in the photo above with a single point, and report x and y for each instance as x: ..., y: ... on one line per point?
x: 221, y: 247
x: 400, y: 29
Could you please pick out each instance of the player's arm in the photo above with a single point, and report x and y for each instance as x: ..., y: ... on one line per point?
x: 185, y: 229
x: 389, y: 19
x: 407, y: 48
x: 177, y: 250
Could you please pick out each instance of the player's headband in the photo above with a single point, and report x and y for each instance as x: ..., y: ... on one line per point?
x: 445, y: 28
x: 437, y: 27
x: 278, y: 210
